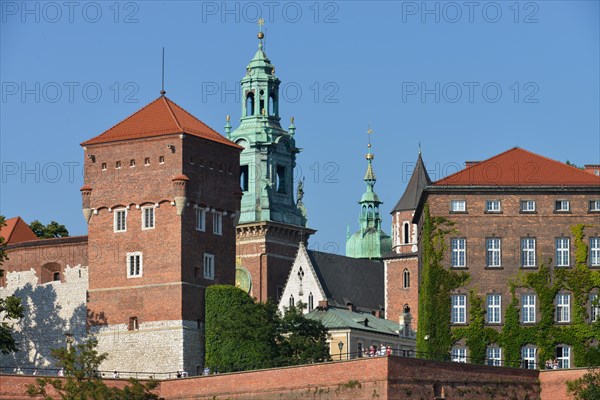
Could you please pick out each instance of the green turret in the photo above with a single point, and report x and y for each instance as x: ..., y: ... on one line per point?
x: 370, y: 241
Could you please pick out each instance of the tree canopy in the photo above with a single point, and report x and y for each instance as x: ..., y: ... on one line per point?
x: 52, y: 230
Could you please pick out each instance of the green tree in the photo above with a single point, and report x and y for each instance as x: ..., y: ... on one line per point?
x: 80, y: 364
x: 587, y: 387
x: 304, y: 340
x: 52, y: 230
x: 10, y: 308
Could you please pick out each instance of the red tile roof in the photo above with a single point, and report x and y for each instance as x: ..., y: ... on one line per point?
x: 16, y: 231
x: 519, y: 167
x: 161, y: 117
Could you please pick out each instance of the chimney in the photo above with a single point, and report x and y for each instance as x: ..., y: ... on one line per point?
x: 324, y: 304
x: 593, y: 169
x: 471, y: 163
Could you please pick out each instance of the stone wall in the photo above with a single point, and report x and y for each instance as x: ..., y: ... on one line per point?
x: 553, y: 382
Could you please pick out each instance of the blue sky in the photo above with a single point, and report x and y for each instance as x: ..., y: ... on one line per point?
x: 467, y: 81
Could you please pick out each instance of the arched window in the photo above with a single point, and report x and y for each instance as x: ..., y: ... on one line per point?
x: 262, y: 102
x: 292, y: 300
x: 370, y: 212
x: 364, y: 210
x: 310, y: 302
x: 406, y: 278
x: 50, y: 272
x: 406, y: 233
x: 249, y: 104
x: 272, y: 104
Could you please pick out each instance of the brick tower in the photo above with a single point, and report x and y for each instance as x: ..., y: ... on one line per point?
x: 161, y: 196
x: 271, y: 223
x: 402, y: 267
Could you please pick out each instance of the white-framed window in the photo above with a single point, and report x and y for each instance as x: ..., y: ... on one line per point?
x: 492, y: 206
x: 120, y: 222
x: 528, y: 252
x: 459, y: 354
x: 563, y: 355
x: 200, y: 219
x: 528, y: 205
x: 148, y: 217
x: 594, y: 307
x: 209, y: 266
x: 528, y: 308
x: 459, y: 309
x: 529, y: 357
x: 459, y: 252
x: 218, y: 223
x: 134, y: 264
x: 458, y: 205
x: 406, y: 278
x: 494, y: 308
x: 595, y: 252
x: 494, y: 356
x: 562, y: 252
x: 563, y: 307
x: 493, y: 253
x: 561, y: 205
x: 594, y: 205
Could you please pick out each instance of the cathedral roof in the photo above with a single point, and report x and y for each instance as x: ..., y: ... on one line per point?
x: 519, y: 167
x: 16, y: 231
x: 160, y: 117
x: 418, y: 181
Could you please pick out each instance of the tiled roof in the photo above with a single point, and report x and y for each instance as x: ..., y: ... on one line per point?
x: 519, y: 167
x: 16, y: 231
x: 418, y: 180
x: 340, y: 318
x: 350, y: 280
x: 161, y: 117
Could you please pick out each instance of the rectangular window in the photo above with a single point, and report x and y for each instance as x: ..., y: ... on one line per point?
x: 147, y: 161
x: 118, y: 165
x: 528, y: 205
x: 563, y: 308
x: 493, y: 252
x: 528, y: 308
x: 244, y: 178
x: 134, y: 264
x: 161, y: 159
x: 494, y: 308
x: 103, y: 166
x: 563, y: 355
x: 148, y: 217
x: 133, y: 324
x: 132, y: 163
x: 459, y: 250
x: 218, y: 223
x: 562, y: 252
x: 209, y: 266
x: 594, y: 307
x: 120, y: 220
x: 594, y: 205
x: 492, y: 206
x: 528, y: 252
x: 494, y: 356
x: 200, y: 219
x: 459, y: 354
x: 281, y: 181
x: 561, y: 205
x: 459, y: 309
x: 458, y: 206
x: 595, y: 252
x: 529, y: 355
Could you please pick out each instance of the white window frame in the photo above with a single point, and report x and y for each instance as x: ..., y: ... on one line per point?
x: 563, y: 308
x: 563, y: 355
x: 529, y: 354
x: 493, y: 252
x: 494, y: 356
x: 528, y: 205
x: 458, y: 354
x: 494, y: 308
x: 209, y: 266
x: 595, y: 251
x: 459, y: 309
x: 218, y: 223
x: 528, y: 252
x: 493, y: 206
x: 200, y: 219
x: 131, y: 273
x: 116, y: 222
x: 458, y: 205
x: 562, y: 206
x: 563, y: 256
x: 594, y: 309
x: 528, y: 308
x: 594, y: 205
x: 153, y: 217
x: 458, y: 258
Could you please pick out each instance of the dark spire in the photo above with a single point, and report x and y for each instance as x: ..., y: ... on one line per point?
x: 418, y: 181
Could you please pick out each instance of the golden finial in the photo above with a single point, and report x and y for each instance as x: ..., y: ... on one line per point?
x: 260, y: 23
x: 292, y: 120
x: 228, y: 118
x: 369, y: 155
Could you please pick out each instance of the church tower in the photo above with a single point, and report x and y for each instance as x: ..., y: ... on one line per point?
x: 370, y: 241
x: 271, y: 223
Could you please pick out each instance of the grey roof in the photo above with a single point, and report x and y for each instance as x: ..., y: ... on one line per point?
x: 350, y: 280
x: 418, y: 181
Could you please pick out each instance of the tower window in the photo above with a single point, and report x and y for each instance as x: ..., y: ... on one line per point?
x: 406, y: 233
x: 244, y: 178
x: 132, y: 163
x: 120, y: 224
x: 218, y: 223
x: 103, y: 166
x: 406, y: 278
x: 272, y: 105
x: 148, y: 217
x: 147, y: 161
x: 280, y: 184
x: 262, y: 102
x: 200, y: 219
x: 134, y: 264
x: 250, y: 104
x: 209, y: 266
